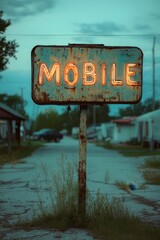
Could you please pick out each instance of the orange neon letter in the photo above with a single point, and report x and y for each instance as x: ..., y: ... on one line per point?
x: 130, y: 74
x: 43, y: 71
x: 89, y: 70
x: 114, y: 81
x: 104, y: 79
x: 71, y: 67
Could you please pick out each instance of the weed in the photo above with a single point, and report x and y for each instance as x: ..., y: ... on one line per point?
x: 153, y: 162
x: 152, y: 177
x: 142, y: 186
x: 62, y: 191
x: 106, y: 219
x: 127, y: 187
x: 152, y: 172
x: 18, y: 152
x: 122, y: 185
x: 129, y: 150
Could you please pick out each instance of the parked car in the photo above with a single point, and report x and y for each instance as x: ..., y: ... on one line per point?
x: 92, y: 132
x: 48, y: 135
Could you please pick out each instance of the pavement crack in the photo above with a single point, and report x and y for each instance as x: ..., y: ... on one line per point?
x: 146, y: 201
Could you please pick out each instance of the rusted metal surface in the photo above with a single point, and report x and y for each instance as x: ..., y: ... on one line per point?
x: 86, y: 74
x: 82, y: 160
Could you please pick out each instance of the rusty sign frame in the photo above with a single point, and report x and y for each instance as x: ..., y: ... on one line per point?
x: 86, y: 74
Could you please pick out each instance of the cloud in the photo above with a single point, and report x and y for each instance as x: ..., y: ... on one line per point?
x: 142, y: 27
x: 21, y: 8
x: 155, y: 16
x: 101, y: 28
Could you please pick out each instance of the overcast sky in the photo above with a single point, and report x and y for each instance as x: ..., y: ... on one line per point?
x: 59, y: 22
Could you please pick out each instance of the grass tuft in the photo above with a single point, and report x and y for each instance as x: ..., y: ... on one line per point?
x: 126, y: 187
x: 151, y: 170
x: 104, y: 218
x: 18, y: 152
x: 153, y: 162
x: 122, y: 185
x: 152, y: 177
x: 129, y: 150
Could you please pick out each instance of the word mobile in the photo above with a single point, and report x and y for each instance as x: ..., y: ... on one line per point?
x: 90, y: 74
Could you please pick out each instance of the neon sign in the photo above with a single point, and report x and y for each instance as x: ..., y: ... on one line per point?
x: 97, y: 74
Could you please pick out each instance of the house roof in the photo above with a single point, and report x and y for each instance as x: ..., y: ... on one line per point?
x: 153, y: 114
x: 7, y: 113
x: 125, y: 120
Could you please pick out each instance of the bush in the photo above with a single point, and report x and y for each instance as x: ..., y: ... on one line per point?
x: 145, y: 144
x: 133, y: 141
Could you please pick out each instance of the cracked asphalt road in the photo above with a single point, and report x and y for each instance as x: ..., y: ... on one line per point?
x: 18, y: 191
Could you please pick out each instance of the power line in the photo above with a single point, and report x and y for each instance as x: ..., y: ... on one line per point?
x: 81, y: 35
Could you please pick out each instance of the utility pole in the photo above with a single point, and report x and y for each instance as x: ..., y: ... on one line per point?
x: 153, y: 96
x: 153, y: 62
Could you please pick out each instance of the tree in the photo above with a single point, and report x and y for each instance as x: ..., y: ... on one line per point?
x: 139, y: 108
x: 47, y: 119
x: 7, y: 48
x: 132, y: 110
x: 148, y: 105
x: 95, y: 115
x: 98, y: 114
x: 70, y: 118
x: 14, y: 101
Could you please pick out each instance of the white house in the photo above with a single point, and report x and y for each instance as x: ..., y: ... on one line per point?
x: 143, y: 128
x: 124, y: 130
x: 105, y: 131
x: 148, y: 126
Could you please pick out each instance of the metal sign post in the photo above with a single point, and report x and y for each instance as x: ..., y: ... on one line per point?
x: 82, y: 160
x: 84, y: 74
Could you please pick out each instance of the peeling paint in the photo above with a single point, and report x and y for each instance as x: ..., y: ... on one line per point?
x: 79, y: 76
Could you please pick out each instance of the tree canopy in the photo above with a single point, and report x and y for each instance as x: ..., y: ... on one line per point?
x: 47, y: 119
x: 139, y: 108
x: 70, y: 118
x: 14, y: 101
x: 7, y: 48
x: 98, y: 114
